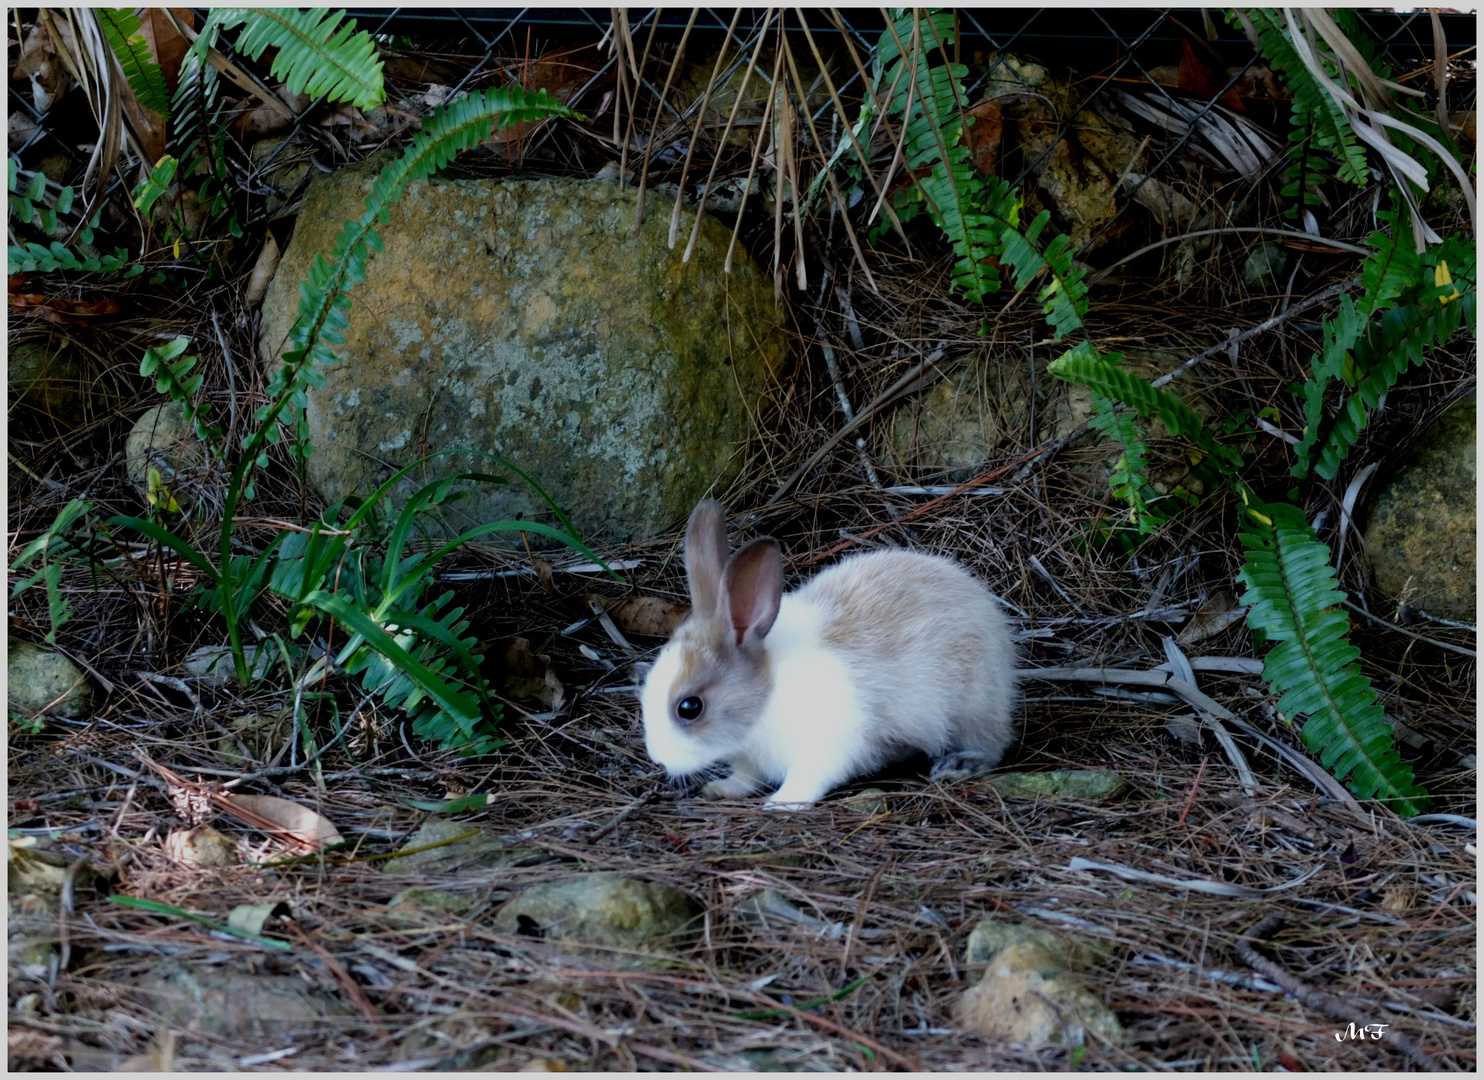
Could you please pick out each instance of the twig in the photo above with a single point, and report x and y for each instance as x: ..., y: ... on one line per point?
x: 1310, y: 998
x: 1323, y: 241
x: 921, y: 376
x: 618, y: 820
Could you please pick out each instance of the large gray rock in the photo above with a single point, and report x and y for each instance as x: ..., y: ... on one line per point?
x: 523, y: 317
x: 1421, y: 535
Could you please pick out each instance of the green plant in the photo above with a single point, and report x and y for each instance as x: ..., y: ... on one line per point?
x: 979, y: 216
x: 29, y: 206
x: 404, y: 649
x: 1294, y: 599
x: 1413, y: 299
x: 54, y: 549
x: 317, y: 54
x: 121, y: 28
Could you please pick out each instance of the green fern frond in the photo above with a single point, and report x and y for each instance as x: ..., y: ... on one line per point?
x: 1084, y: 365
x: 928, y: 100
x: 318, y: 53
x: 1293, y: 597
x: 1391, y: 268
x: 1319, y: 122
x: 1129, y: 476
x: 121, y: 28
x: 1388, y: 348
x: 1064, y: 299
x: 1341, y: 332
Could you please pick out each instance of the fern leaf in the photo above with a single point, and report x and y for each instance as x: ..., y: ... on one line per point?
x: 1341, y: 332
x: 121, y: 28
x: 1129, y: 476
x: 1064, y: 300
x: 318, y: 54
x: 1389, y: 347
x: 1319, y: 122
x: 1084, y: 365
x: 1294, y: 596
x: 1391, y: 268
x: 927, y: 102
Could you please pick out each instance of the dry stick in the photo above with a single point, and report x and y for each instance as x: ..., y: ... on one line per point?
x: 726, y: 132
x: 343, y: 977
x: 1310, y: 998
x: 695, y: 136
x: 861, y: 154
x: 1338, y: 245
x: 901, y: 388
x: 649, y: 143
x: 623, y: 155
x: 829, y: 178
x: 757, y: 155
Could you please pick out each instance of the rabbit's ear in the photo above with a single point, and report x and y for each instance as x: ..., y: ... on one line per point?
x: 706, y: 555
x: 753, y: 587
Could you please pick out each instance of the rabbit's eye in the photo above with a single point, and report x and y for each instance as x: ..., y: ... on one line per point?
x: 690, y: 709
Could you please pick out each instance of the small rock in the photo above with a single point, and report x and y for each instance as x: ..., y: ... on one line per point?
x: 456, y: 851
x: 418, y: 905
x: 201, y: 846
x: 605, y: 912
x: 993, y: 936
x: 1264, y: 265
x: 212, y: 665
x: 870, y: 803
x: 236, y: 1007
x: 1059, y: 783
x: 164, y: 439
x: 44, y: 382
x: 1421, y: 535
x: 38, y: 681
x: 1028, y: 997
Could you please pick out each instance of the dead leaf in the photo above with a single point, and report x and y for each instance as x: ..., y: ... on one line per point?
x: 39, y: 63
x: 645, y: 616
x: 269, y: 118
x: 561, y: 74
x: 262, y: 272
x: 983, y: 136
x: 1256, y: 86
x: 249, y: 918
x: 524, y: 673
x: 417, y: 70
x: 303, y: 824
x: 1215, y: 615
x: 1196, y: 77
x: 1466, y: 124
x: 59, y: 310
x: 167, y: 46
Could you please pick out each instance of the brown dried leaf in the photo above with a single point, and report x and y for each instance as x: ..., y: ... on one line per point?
x: 166, y: 44
x: 1215, y: 615
x: 59, y: 310
x: 561, y: 74
x: 300, y: 822
x: 39, y: 63
x: 524, y: 673
x: 262, y: 272
x: 1196, y: 77
x: 983, y: 136
x: 645, y: 616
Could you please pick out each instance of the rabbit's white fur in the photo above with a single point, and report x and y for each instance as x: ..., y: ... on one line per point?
x: 880, y: 655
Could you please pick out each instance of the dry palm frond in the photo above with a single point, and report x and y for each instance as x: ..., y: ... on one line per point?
x: 1371, y: 119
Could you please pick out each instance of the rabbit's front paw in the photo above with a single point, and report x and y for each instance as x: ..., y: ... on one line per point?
x: 731, y: 787
x: 963, y: 764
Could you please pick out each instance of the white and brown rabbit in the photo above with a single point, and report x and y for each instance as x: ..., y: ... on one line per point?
x: 881, y: 655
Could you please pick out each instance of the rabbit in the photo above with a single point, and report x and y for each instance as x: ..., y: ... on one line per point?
x: 881, y: 655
